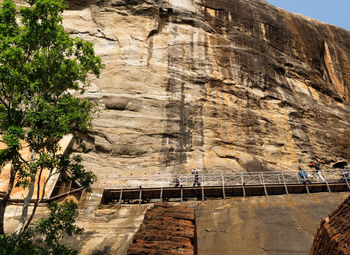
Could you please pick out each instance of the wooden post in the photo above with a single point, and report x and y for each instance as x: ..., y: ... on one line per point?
x: 263, y: 182
x: 243, y: 188
x: 325, y: 179
x: 121, y: 196
x: 285, y: 184
x: 140, y: 198
x: 223, y: 186
x: 346, y: 179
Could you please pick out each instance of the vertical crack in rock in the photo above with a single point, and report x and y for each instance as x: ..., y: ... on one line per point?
x: 332, y: 73
x: 184, y: 118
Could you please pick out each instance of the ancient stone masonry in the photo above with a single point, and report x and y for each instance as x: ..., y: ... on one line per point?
x: 217, y: 85
x: 333, y: 236
x: 166, y: 229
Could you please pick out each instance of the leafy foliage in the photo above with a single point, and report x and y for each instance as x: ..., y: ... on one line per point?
x: 41, y: 67
x: 42, y: 73
x: 59, y: 224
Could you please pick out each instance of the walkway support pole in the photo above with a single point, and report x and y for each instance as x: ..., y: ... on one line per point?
x: 121, y: 196
x: 304, y: 181
x: 285, y: 184
x: 263, y: 183
x: 243, y: 188
x: 202, y: 192
x: 223, y: 186
x: 140, y: 198
x: 307, y: 188
x: 182, y: 194
x: 325, y: 179
x: 161, y: 194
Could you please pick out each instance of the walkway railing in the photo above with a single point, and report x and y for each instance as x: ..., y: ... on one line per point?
x: 224, y: 179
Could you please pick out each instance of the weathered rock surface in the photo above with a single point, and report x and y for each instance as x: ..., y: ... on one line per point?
x: 242, y: 226
x: 262, y: 225
x: 333, y: 236
x: 219, y: 85
x: 108, y: 231
x: 166, y: 229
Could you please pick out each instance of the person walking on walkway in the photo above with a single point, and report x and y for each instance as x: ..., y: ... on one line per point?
x: 303, y: 176
x: 196, y: 178
x: 318, y: 172
x: 345, y: 175
x: 176, y: 181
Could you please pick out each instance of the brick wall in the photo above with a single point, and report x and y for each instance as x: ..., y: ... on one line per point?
x: 333, y: 235
x: 166, y: 229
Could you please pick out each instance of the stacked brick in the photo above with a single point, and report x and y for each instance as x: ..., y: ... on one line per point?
x: 333, y: 236
x: 166, y: 229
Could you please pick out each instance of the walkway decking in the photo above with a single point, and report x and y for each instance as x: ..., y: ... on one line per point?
x: 161, y: 187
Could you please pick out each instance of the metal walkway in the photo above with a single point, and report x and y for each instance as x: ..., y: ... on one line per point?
x: 161, y: 187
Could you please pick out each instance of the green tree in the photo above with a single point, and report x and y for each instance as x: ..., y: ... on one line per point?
x: 42, y: 72
x: 58, y: 224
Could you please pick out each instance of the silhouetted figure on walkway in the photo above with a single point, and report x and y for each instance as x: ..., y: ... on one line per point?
x: 196, y: 178
x: 176, y: 181
x: 345, y: 176
x: 318, y: 172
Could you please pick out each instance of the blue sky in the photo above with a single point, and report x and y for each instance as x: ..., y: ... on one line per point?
x: 336, y: 12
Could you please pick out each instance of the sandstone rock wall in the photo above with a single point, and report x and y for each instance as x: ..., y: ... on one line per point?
x: 166, y: 229
x: 333, y: 236
x: 220, y: 85
x: 242, y: 226
x: 271, y: 225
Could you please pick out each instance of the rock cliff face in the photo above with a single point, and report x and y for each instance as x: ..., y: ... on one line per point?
x: 333, y: 236
x: 220, y: 85
x: 280, y: 225
x: 271, y: 225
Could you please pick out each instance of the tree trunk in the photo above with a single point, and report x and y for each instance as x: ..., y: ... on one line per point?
x: 26, y: 202
x: 22, y: 220
x: 38, y: 199
x: 3, y: 202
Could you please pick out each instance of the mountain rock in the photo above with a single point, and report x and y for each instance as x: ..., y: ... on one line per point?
x: 219, y: 85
